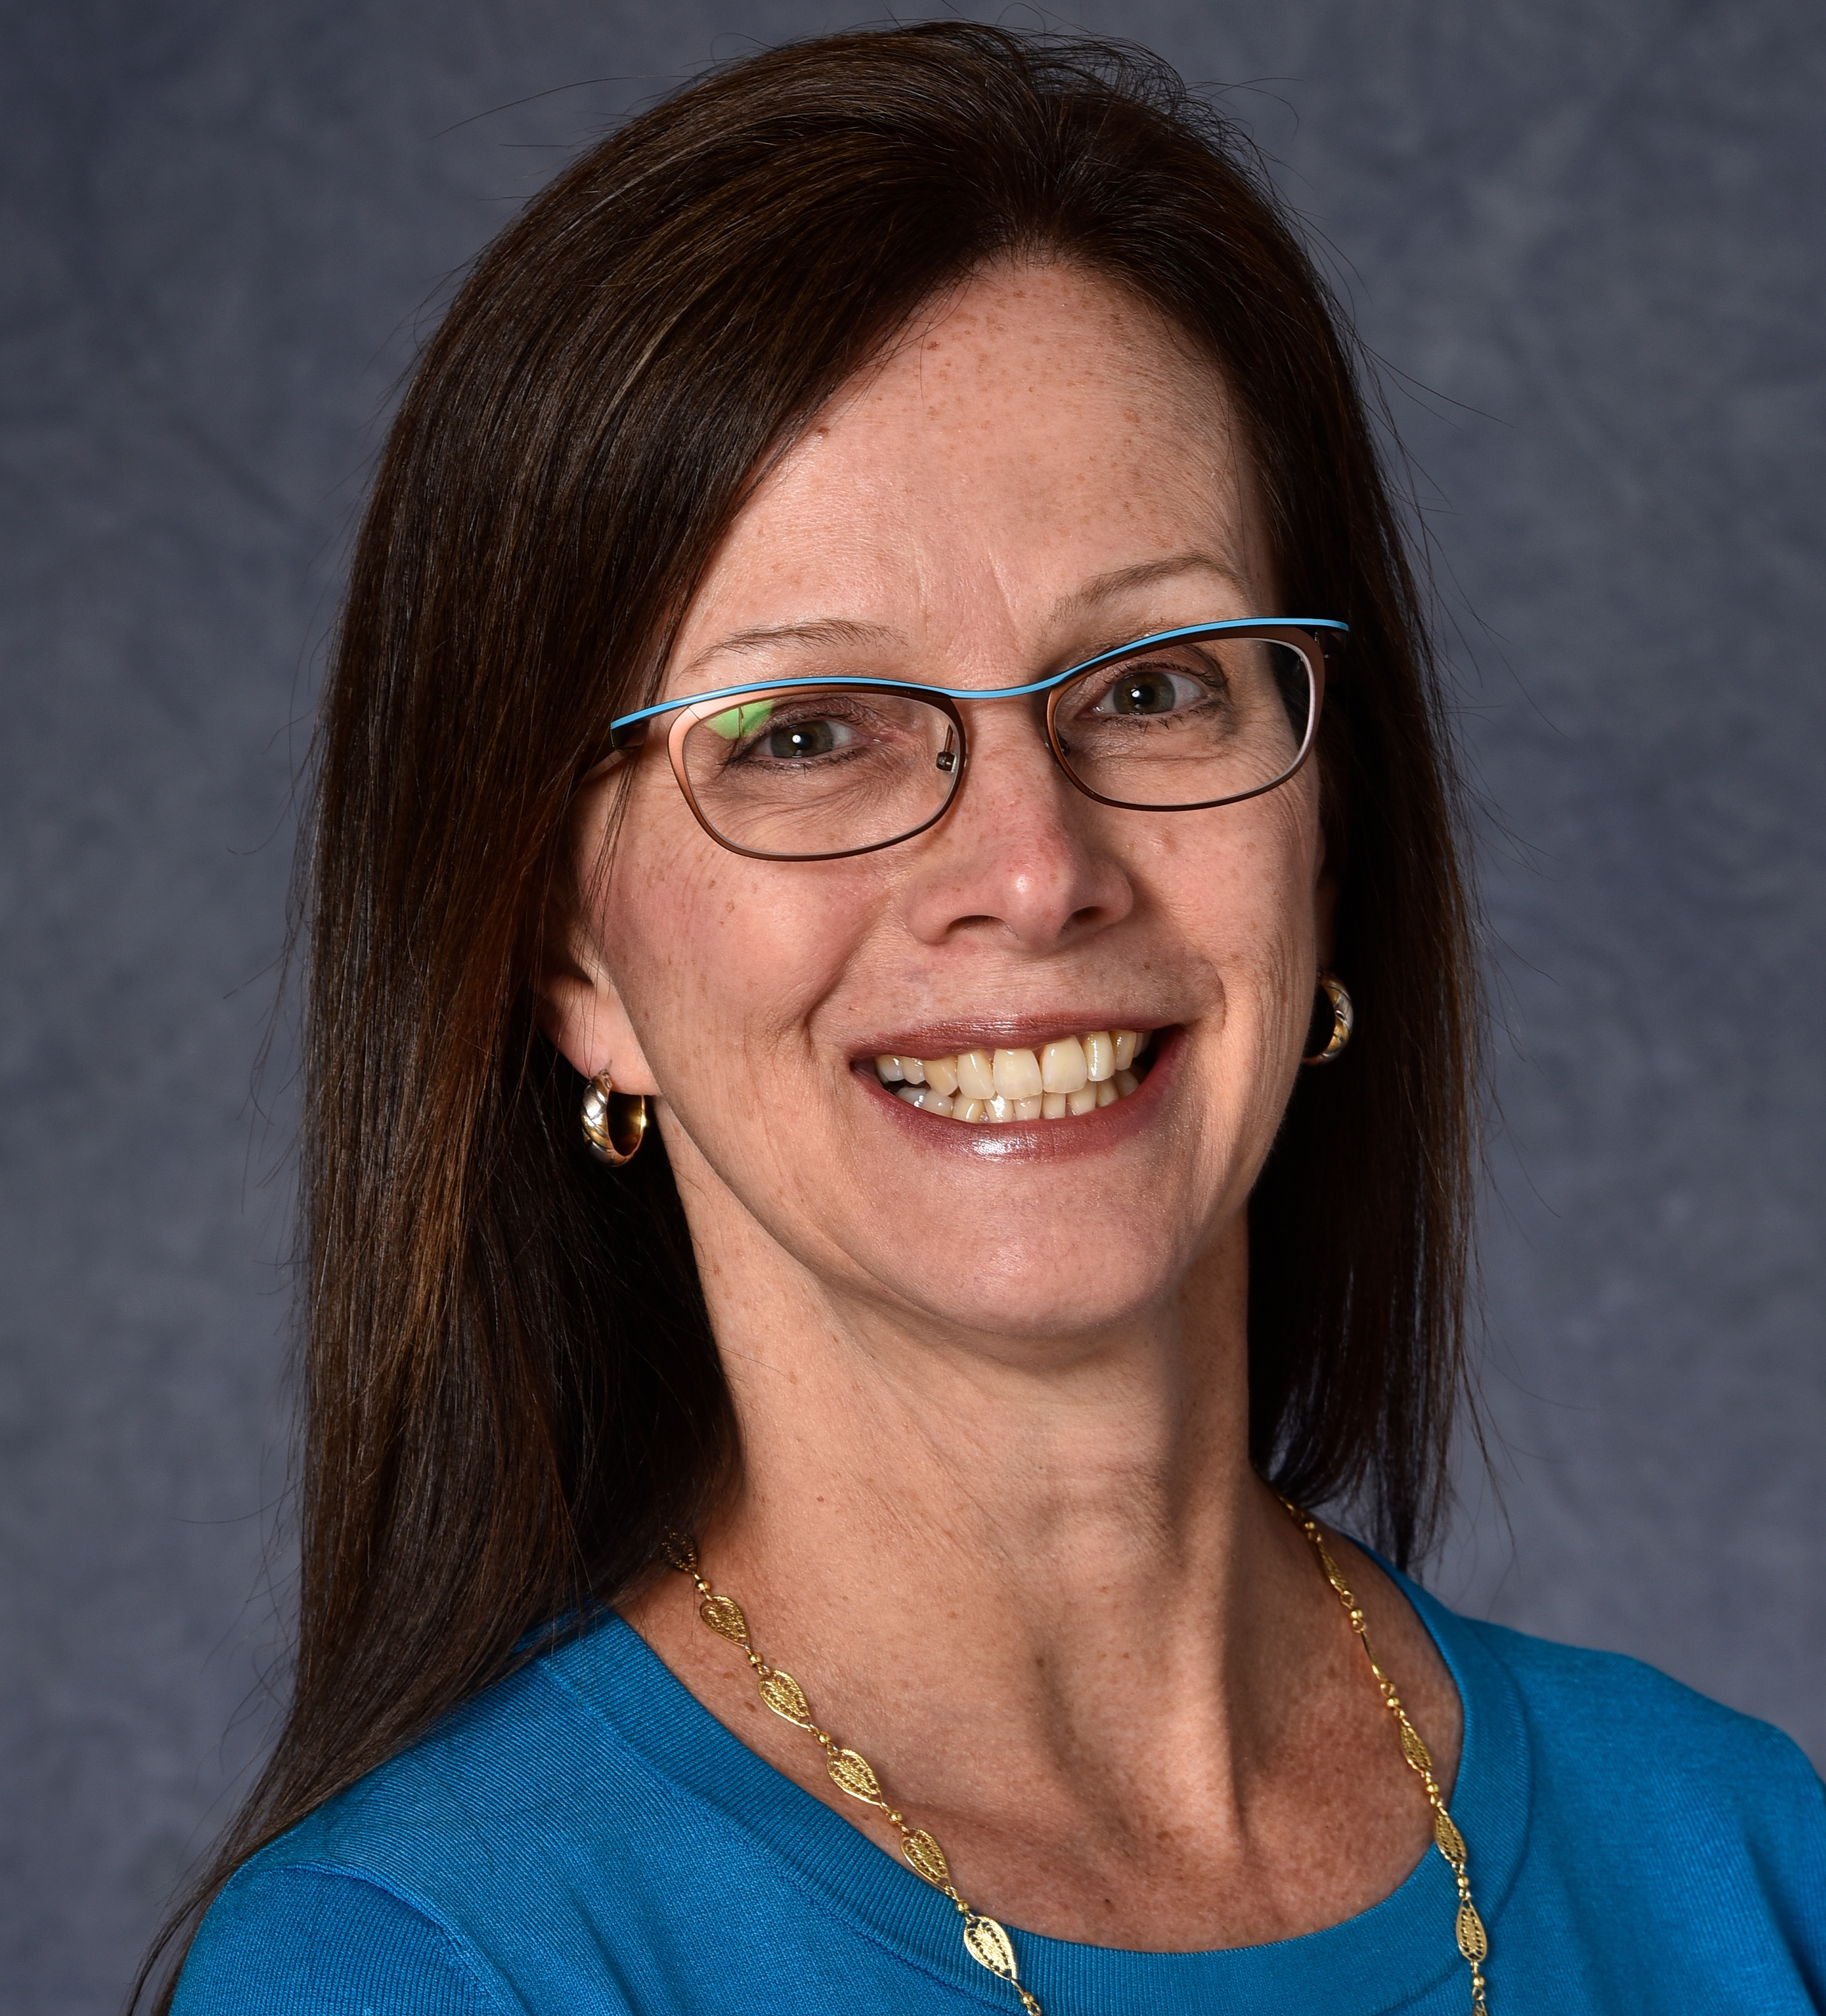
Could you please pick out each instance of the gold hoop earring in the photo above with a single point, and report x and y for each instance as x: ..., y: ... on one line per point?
x: 1343, y: 1019
x: 614, y: 1123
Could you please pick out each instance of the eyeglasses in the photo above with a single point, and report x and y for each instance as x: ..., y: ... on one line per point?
x: 814, y: 769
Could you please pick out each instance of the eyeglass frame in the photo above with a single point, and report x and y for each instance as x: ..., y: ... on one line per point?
x: 627, y: 732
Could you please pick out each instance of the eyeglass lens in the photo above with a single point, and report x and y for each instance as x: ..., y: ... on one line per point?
x: 833, y: 769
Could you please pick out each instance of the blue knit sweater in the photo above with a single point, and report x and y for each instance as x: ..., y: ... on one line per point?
x: 585, y: 1838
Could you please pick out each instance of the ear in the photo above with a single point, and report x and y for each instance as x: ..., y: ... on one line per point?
x: 581, y: 1009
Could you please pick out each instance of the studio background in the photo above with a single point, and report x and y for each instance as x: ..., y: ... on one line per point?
x: 1584, y: 242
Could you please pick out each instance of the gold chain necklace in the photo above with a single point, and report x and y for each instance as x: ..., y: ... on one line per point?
x: 1473, y: 1942
x: 986, y: 1941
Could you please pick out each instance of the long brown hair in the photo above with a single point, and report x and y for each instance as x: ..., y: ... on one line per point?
x: 510, y: 1388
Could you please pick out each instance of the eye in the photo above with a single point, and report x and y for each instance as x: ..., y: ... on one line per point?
x: 795, y: 740
x: 768, y: 731
x: 1152, y: 689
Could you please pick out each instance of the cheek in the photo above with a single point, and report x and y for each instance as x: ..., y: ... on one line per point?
x: 721, y: 963
x: 1240, y: 882
x: 1240, y: 894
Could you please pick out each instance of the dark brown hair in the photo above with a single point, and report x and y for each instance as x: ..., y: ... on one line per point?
x: 509, y: 1385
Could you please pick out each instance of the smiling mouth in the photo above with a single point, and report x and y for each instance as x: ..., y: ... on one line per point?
x: 1057, y: 1081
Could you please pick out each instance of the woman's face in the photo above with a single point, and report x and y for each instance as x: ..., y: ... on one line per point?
x: 1044, y: 471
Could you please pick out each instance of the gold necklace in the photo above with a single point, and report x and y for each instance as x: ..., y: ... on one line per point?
x: 1473, y: 1941
x: 986, y: 1941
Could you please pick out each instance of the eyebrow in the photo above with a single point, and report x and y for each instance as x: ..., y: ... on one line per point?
x: 1100, y: 588
x: 826, y: 630
x: 1120, y: 581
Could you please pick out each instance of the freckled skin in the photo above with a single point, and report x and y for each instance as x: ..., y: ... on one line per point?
x: 996, y: 1514
x: 1027, y: 896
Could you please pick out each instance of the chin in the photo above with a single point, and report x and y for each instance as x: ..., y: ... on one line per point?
x: 1037, y: 1304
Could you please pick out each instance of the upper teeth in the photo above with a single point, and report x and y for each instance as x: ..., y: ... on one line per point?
x: 1069, y: 1076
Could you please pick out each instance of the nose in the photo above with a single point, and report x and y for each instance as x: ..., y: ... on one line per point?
x: 1022, y: 856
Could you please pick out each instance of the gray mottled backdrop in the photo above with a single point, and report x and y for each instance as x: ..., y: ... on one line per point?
x: 1584, y: 240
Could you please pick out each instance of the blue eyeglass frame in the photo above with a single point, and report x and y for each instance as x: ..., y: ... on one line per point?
x: 629, y: 731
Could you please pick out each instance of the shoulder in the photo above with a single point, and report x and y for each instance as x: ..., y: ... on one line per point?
x: 287, y: 1937
x: 384, y: 1899
x: 1604, y: 1713
x: 1719, y: 1819
x: 1665, y: 1850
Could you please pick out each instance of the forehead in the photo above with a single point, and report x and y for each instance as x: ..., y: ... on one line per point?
x: 1037, y: 429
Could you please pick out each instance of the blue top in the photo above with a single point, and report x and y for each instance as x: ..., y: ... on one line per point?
x: 585, y: 1837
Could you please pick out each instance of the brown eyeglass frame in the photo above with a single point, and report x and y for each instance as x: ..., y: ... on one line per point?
x: 628, y: 733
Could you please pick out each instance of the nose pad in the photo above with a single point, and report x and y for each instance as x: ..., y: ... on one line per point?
x: 1020, y: 858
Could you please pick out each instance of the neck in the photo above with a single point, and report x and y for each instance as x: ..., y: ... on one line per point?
x: 1025, y: 1514
x: 1033, y: 1580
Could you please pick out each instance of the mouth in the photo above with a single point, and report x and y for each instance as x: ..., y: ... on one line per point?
x: 1063, y: 1079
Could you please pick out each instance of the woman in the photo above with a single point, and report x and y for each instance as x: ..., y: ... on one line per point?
x: 892, y: 1041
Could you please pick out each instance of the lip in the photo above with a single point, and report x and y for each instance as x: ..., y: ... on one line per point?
x: 1091, y: 1133
x: 1022, y: 1032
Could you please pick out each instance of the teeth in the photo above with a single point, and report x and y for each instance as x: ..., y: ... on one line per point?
x: 925, y: 1099
x: 976, y: 1074
x: 1062, y: 1066
x: 1074, y: 1074
x: 1018, y: 1074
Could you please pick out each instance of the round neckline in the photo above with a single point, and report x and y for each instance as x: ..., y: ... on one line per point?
x: 1380, y: 1959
